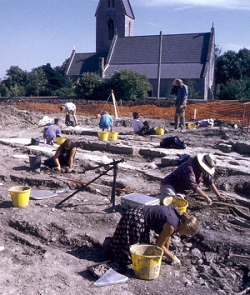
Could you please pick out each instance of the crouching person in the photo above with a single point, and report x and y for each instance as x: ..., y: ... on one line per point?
x: 188, y: 176
x: 135, y: 225
x: 50, y: 133
x: 64, y: 156
x: 106, y: 122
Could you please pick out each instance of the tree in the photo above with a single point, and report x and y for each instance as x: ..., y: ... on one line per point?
x: 36, y: 81
x: 244, y: 60
x: 129, y: 85
x: 232, y: 72
x: 15, y: 82
x: 4, y: 91
x: 192, y: 93
x: 64, y: 91
x: 88, y: 85
x: 236, y: 89
x: 55, y: 79
x: 15, y: 76
x: 22, y: 83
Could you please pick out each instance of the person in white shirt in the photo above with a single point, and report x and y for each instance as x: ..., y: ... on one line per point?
x: 205, y: 123
x: 70, y: 109
x: 139, y: 127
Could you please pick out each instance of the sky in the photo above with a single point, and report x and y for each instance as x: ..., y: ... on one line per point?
x: 37, y: 32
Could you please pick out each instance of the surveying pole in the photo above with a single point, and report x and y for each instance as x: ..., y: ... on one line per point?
x: 114, y: 103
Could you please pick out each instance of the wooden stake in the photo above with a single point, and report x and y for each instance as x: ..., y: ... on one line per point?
x: 114, y: 103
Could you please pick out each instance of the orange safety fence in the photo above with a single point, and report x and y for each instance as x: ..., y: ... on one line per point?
x: 230, y: 111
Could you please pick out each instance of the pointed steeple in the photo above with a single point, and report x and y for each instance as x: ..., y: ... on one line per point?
x: 113, y: 17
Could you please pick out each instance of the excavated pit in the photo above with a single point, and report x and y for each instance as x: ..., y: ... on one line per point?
x: 48, y: 249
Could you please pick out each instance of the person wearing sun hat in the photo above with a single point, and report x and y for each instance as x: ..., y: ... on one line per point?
x: 187, y: 177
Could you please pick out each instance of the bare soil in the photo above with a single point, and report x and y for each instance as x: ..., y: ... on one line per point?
x: 48, y: 249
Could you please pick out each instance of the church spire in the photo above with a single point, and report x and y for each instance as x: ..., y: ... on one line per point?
x: 113, y: 17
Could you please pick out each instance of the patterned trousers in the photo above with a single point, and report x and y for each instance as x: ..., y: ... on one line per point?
x: 129, y: 231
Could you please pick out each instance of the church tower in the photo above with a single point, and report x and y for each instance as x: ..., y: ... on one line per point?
x: 113, y: 17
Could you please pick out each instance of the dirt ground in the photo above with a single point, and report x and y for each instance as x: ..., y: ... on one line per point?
x: 48, y: 249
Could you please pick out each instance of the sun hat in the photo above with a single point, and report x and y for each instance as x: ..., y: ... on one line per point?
x: 207, y: 162
x: 211, y: 121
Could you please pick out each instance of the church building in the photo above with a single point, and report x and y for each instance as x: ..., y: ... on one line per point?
x: 162, y: 58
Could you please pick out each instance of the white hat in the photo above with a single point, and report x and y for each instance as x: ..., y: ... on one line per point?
x: 210, y: 121
x: 207, y: 162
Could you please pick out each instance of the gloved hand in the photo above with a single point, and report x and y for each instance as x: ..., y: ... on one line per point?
x: 176, y: 259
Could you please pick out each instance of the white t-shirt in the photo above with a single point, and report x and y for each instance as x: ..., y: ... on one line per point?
x: 137, y: 125
x: 70, y: 107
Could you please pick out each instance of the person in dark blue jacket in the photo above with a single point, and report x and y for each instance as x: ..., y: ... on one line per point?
x: 180, y: 103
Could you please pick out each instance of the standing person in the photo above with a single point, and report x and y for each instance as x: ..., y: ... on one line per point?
x: 187, y: 177
x: 180, y: 103
x: 64, y: 156
x: 70, y: 109
x: 50, y: 133
x: 106, y: 121
x: 139, y: 127
x: 135, y: 225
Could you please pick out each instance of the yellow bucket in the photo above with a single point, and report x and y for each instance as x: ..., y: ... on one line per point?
x: 113, y: 136
x: 60, y: 140
x: 159, y: 131
x: 146, y: 260
x: 103, y: 135
x: 20, y: 195
x: 179, y: 203
x: 191, y: 126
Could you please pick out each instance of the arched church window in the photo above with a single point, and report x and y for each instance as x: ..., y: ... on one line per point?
x: 111, y: 3
x: 111, y: 29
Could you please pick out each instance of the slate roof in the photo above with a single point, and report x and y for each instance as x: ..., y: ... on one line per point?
x: 168, y: 71
x: 84, y: 62
x: 183, y: 55
x: 128, y: 9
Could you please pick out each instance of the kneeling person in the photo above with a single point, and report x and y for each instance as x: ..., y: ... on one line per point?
x: 64, y: 156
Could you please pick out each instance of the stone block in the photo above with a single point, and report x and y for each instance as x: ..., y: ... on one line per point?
x: 98, y: 145
x: 169, y: 161
x: 157, y: 153
x: 243, y: 147
x: 225, y: 148
x: 121, y: 149
x: 145, y: 152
